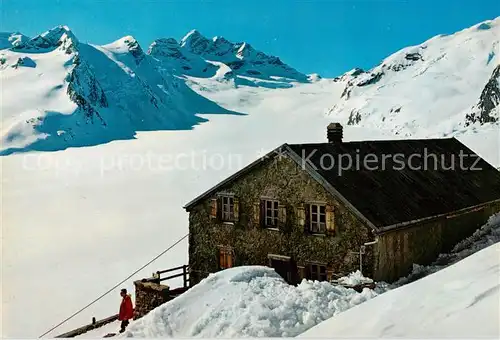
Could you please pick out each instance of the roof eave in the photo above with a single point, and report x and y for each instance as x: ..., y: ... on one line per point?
x: 234, y: 176
x: 450, y: 214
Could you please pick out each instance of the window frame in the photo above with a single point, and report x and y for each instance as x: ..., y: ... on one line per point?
x: 274, y: 209
x: 315, y: 273
x: 227, y: 201
x: 316, y: 225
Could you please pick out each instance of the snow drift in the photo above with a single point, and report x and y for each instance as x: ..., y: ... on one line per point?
x: 460, y: 301
x: 248, y: 301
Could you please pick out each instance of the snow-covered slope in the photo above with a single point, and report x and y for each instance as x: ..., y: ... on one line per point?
x: 461, y: 301
x: 429, y: 89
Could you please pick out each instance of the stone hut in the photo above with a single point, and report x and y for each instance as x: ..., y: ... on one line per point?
x: 320, y: 211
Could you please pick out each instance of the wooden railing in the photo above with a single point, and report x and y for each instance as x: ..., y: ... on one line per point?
x: 184, y: 273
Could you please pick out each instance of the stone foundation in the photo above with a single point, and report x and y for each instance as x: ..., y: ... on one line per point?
x: 148, y: 296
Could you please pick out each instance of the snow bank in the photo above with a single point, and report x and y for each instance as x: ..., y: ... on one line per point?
x: 250, y: 301
x: 354, y: 279
x: 460, y: 301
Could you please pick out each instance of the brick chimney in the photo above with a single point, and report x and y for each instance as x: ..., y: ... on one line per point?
x: 334, y: 133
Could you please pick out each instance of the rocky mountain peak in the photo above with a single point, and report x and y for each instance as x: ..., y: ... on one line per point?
x: 195, y: 42
x: 127, y: 44
x: 240, y: 57
x: 58, y: 37
x: 245, y: 50
x: 165, y: 47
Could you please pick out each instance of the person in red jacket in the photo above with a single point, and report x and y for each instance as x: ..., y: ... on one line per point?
x: 126, y: 310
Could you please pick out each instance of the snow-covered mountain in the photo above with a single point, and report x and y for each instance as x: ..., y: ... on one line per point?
x: 445, y: 86
x: 11, y: 39
x: 241, y: 57
x: 181, y: 61
x: 439, y: 87
x: 81, y: 94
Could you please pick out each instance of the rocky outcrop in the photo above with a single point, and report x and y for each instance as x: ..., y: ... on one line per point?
x: 178, y: 60
x: 25, y: 62
x: 85, y: 91
x: 354, y: 118
x: 166, y: 48
x: 12, y: 39
x: 484, y: 111
x: 135, y: 49
x: 372, y: 79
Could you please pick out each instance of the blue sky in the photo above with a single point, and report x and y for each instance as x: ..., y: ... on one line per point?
x: 327, y: 37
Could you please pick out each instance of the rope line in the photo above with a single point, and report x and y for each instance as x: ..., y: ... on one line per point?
x: 114, y: 287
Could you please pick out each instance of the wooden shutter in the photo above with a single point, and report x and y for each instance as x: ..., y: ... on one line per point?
x: 307, y: 271
x: 301, y: 216
x: 329, y: 274
x: 226, y: 257
x: 262, y: 218
x: 307, y: 219
x: 301, y: 272
x: 213, y: 208
x: 281, y: 215
x: 219, y: 208
x: 330, y: 219
x: 256, y: 214
x: 236, y: 210
x: 222, y: 258
x: 229, y: 258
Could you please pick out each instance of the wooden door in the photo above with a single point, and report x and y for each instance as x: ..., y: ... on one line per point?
x: 283, y: 266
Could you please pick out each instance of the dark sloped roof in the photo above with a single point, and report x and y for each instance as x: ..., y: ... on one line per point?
x: 397, y: 193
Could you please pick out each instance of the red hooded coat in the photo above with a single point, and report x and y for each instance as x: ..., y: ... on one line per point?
x: 126, y: 309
